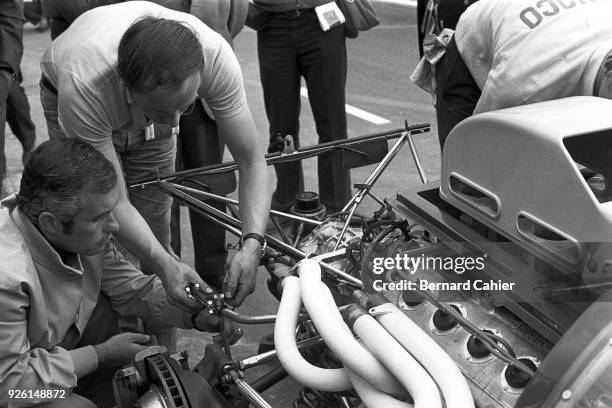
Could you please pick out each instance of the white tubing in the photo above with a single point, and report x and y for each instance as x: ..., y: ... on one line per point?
x: 336, y: 333
x: 436, y: 361
x: 330, y: 380
x: 406, y: 369
x: 373, y: 398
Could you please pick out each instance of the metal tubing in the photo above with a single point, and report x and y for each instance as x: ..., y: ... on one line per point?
x: 226, y: 200
x: 324, y: 379
x: 274, y: 158
x: 249, y: 392
x: 325, y: 315
x: 233, y: 225
x: 417, y: 161
x: 433, y: 358
x: 244, y: 319
x: 373, y: 397
x: 270, y: 378
x: 272, y: 354
x: 358, y: 197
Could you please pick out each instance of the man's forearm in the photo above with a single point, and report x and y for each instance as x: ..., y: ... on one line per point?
x: 85, y: 360
x: 136, y: 236
x: 254, y: 196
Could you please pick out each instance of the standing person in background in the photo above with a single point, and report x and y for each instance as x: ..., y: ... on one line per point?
x: 11, y: 50
x: 19, y: 119
x: 33, y: 13
x: 291, y: 44
x: 435, y: 15
x: 508, y: 53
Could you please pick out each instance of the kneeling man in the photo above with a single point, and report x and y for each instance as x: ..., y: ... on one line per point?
x: 62, y: 282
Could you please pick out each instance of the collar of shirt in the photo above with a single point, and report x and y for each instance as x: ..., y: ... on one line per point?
x: 42, y: 252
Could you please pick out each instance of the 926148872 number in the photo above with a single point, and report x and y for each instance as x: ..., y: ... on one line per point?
x: 37, y: 394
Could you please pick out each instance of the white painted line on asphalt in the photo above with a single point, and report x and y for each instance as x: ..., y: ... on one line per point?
x: 409, y: 3
x: 359, y: 113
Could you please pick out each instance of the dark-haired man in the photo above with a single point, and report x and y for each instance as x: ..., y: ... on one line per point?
x: 119, y: 78
x: 59, y: 272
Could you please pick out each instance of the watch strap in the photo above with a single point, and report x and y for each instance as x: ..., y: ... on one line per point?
x: 258, y: 237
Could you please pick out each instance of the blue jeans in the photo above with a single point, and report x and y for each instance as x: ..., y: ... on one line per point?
x: 138, y: 158
x: 290, y: 48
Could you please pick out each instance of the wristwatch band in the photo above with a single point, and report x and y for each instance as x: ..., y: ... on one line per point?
x: 257, y: 237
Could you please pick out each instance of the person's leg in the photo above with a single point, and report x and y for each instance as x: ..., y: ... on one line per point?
x: 48, y: 99
x: 200, y: 146
x: 144, y: 159
x: 456, y: 94
x: 102, y: 325
x: 322, y: 57
x: 32, y: 11
x: 5, y: 85
x: 18, y: 117
x: 281, y: 87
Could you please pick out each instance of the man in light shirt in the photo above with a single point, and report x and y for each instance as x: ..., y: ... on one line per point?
x: 63, y: 283
x: 119, y: 78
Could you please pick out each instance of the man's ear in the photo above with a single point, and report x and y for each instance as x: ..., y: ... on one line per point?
x: 49, y: 223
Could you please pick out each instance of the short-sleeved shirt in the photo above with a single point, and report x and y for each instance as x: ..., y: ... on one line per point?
x: 525, y: 51
x: 93, y: 103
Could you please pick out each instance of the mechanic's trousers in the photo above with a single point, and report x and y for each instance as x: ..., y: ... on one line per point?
x: 95, y: 389
x: 288, y: 49
x: 456, y: 91
x: 199, y: 145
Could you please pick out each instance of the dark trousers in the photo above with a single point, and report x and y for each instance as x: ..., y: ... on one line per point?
x: 18, y: 115
x: 456, y: 93
x: 198, y: 145
x: 94, y: 390
x: 5, y: 86
x: 291, y: 48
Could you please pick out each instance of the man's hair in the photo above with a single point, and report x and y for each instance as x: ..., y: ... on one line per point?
x: 57, y: 176
x: 156, y: 52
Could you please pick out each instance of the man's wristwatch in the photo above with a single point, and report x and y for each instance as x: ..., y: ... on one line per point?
x: 257, y: 237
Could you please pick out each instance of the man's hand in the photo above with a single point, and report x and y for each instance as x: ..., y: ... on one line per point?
x: 121, y: 348
x: 207, y: 322
x: 231, y: 332
x: 242, y: 273
x: 176, y: 276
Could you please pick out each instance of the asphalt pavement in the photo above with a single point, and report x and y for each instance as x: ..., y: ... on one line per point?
x: 380, y: 96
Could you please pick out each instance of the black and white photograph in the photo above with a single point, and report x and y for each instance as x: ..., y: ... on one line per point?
x: 305, y: 203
